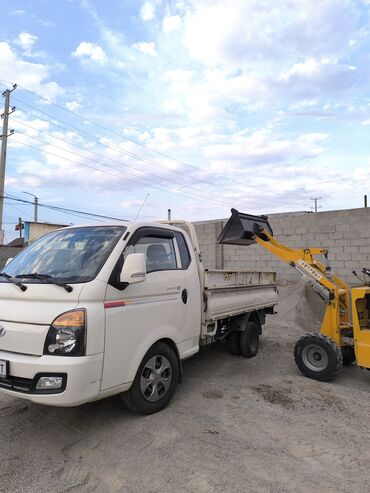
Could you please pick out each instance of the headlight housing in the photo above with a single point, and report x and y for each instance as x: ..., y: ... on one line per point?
x: 67, y: 334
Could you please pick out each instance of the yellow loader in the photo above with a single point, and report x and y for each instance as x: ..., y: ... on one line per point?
x: 343, y: 338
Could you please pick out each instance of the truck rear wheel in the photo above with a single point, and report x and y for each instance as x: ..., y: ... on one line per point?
x: 234, y: 343
x: 155, y: 381
x: 249, y: 340
x: 318, y: 357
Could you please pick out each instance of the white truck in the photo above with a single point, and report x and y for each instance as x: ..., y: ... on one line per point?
x: 91, y: 311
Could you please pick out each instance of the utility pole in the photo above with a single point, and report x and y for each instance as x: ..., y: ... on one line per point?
x: 20, y: 228
x: 35, y: 203
x: 316, y: 207
x: 4, y: 141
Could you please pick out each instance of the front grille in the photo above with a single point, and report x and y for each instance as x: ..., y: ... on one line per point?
x: 16, y: 383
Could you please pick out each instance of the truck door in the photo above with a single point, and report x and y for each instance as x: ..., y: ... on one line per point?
x: 140, y: 314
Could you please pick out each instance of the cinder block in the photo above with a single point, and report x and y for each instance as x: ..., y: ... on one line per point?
x: 343, y: 227
x: 352, y: 249
x: 365, y: 249
x: 360, y: 256
x: 350, y: 234
x: 359, y: 242
x: 341, y: 243
x: 321, y: 236
x: 327, y: 228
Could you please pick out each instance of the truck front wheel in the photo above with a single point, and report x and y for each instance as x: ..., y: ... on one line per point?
x: 155, y: 381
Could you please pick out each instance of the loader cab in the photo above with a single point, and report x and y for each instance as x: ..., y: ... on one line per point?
x: 361, y: 324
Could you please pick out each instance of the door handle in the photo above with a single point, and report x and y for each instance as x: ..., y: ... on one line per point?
x: 184, y: 296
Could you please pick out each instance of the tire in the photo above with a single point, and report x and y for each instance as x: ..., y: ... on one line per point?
x: 145, y: 396
x: 234, y: 343
x: 249, y: 340
x: 318, y: 357
x: 348, y: 355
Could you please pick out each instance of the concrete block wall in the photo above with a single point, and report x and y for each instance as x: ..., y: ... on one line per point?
x: 346, y: 234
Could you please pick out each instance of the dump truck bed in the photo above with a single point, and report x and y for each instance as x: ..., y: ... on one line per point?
x: 230, y: 292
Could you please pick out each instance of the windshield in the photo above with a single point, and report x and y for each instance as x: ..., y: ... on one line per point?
x: 70, y: 255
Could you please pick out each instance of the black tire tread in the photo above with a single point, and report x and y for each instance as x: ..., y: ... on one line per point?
x: 245, y: 339
x: 133, y: 399
x: 313, y: 337
x: 234, y: 343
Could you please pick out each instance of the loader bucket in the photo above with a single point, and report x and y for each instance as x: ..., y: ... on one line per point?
x: 241, y: 229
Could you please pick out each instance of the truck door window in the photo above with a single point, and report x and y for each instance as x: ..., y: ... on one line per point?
x: 183, y: 249
x: 159, y: 252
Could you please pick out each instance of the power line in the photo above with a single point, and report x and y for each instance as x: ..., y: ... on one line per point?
x: 316, y: 206
x: 133, y: 155
x: 18, y: 210
x: 63, y: 209
x: 148, y: 176
x: 92, y: 137
x: 115, y: 174
x: 108, y: 130
x: 194, y: 190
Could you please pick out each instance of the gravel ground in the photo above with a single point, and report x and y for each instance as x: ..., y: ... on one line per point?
x: 235, y: 425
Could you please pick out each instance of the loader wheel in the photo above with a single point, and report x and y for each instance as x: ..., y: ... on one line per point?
x: 249, y: 340
x: 349, y: 356
x: 234, y: 343
x: 318, y: 357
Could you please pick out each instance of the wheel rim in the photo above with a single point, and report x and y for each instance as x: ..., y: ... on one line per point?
x: 156, y: 378
x: 315, y: 357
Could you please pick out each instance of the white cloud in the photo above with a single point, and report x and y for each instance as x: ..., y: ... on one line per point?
x: 147, y: 11
x: 18, y: 12
x: 90, y: 52
x: 26, y: 40
x: 171, y: 23
x: 72, y: 105
x: 34, y: 76
x: 147, y: 48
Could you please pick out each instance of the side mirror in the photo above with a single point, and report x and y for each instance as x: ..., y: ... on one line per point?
x: 134, y: 269
x: 8, y: 261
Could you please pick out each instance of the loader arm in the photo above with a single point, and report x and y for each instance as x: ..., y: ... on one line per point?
x: 245, y: 229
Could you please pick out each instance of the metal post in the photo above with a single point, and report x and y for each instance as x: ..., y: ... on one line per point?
x: 4, y: 141
x: 316, y: 207
x: 365, y: 200
x: 169, y: 214
x: 36, y: 206
x: 20, y: 227
x: 36, y: 203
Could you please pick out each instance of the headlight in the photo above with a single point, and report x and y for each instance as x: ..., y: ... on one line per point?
x: 67, y: 334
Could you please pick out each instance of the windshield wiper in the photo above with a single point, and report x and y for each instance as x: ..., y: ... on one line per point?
x: 47, y: 278
x: 13, y: 281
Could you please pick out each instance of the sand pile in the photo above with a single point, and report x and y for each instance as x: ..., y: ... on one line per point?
x: 300, y: 305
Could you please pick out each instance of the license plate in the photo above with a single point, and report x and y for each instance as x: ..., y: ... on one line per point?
x: 4, y: 368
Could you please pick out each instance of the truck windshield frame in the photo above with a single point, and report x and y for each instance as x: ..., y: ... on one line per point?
x: 73, y: 255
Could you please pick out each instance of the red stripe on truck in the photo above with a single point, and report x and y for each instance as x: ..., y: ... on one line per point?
x: 114, y: 304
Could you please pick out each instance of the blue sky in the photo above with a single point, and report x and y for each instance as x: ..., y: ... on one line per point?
x: 204, y: 105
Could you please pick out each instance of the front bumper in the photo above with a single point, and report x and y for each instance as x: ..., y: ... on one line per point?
x: 82, y: 375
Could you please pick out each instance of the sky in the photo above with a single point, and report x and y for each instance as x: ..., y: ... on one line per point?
x: 133, y: 107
